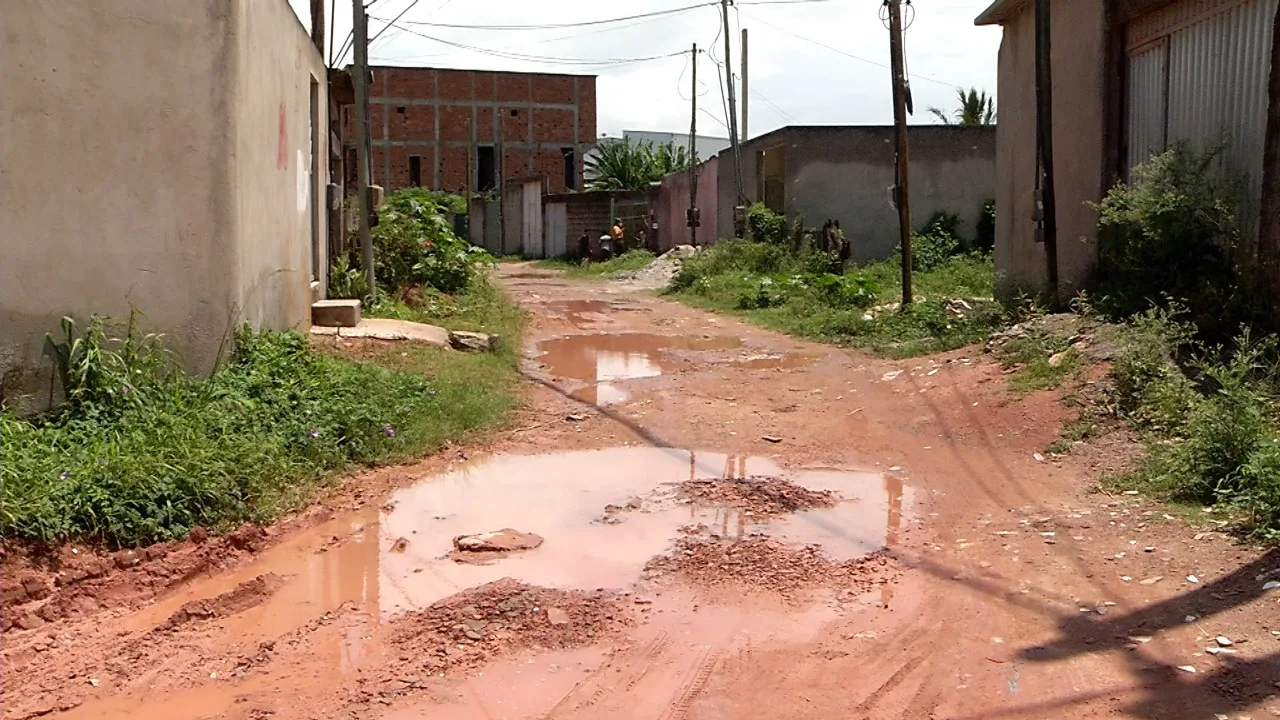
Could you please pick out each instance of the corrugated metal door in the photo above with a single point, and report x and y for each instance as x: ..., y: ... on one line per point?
x: 531, y: 227
x: 555, y: 229
x: 1198, y: 72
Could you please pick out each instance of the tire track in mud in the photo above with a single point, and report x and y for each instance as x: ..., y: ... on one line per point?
x: 632, y: 666
x: 697, y: 682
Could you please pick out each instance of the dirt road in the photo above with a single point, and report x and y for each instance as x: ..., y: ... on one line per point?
x: 730, y: 524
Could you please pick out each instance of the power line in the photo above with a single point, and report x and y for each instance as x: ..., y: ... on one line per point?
x: 842, y: 52
x: 542, y: 58
x: 555, y: 26
x: 393, y: 21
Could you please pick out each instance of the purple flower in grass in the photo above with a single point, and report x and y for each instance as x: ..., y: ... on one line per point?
x: 65, y: 474
x: 388, y: 431
x: 314, y: 433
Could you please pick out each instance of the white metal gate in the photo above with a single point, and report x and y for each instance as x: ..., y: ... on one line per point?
x: 1197, y: 71
x: 531, y: 226
x: 555, y: 228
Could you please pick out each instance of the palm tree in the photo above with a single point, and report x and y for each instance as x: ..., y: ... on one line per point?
x: 617, y: 164
x: 976, y: 108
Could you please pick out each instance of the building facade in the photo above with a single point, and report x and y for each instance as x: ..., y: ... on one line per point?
x: 195, y: 197
x: 1130, y: 78
x: 844, y: 172
x: 469, y: 129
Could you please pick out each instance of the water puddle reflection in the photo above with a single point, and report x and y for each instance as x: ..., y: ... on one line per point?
x: 604, y: 360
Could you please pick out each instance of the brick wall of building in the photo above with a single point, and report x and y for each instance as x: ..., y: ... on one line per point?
x: 444, y: 118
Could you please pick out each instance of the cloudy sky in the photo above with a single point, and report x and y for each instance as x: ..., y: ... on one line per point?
x: 811, y: 62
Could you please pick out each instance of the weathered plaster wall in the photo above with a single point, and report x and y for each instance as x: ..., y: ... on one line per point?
x: 1079, y: 148
x: 272, y: 173
x: 140, y: 147
x: 843, y: 173
x: 115, y: 187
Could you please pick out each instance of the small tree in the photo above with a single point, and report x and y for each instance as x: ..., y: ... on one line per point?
x: 976, y: 108
x: 618, y: 164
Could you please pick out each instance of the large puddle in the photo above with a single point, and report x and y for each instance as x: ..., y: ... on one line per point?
x: 605, y: 360
x: 389, y: 560
x: 360, y: 558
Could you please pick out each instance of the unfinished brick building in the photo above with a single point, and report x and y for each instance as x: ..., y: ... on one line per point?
x: 457, y: 129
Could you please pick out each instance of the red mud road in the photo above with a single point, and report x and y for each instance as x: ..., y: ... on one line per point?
x: 734, y: 524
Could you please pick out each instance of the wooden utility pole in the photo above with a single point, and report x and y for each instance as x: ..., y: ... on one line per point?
x: 733, y: 108
x: 317, y: 25
x: 1046, y: 208
x: 1269, y: 220
x: 746, y: 96
x: 360, y: 42
x: 901, y: 195
x: 692, y: 220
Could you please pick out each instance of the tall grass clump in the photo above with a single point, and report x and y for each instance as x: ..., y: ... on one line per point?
x: 141, y: 452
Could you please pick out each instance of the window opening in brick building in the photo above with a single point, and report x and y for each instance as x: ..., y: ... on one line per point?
x: 570, y: 168
x: 486, y: 168
x: 515, y: 113
x: 400, y: 109
x: 415, y: 171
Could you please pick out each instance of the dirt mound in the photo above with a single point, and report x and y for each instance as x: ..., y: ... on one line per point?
x: 41, y: 586
x: 659, y: 272
x: 762, y: 563
x: 469, y: 628
x: 245, y: 595
x: 762, y: 496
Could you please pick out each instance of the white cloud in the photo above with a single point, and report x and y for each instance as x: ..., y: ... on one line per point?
x: 810, y: 83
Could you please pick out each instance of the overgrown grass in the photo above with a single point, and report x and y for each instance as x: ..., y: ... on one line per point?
x: 626, y: 262
x: 481, y: 307
x: 810, y: 295
x: 1041, y: 360
x: 141, y: 454
x: 1209, y: 417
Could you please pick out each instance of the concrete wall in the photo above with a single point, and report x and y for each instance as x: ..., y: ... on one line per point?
x: 130, y: 175
x: 1079, y: 145
x: 272, y: 179
x: 673, y: 203
x: 842, y: 173
x: 441, y: 116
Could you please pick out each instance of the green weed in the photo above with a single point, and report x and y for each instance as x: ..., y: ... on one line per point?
x: 141, y: 453
x: 626, y: 262
x: 798, y: 293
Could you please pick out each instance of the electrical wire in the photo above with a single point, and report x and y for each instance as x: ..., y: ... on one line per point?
x: 555, y: 26
x: 393, y: 21
x: 333, y: 8
x: 846, y: 54
x: 541, y: 58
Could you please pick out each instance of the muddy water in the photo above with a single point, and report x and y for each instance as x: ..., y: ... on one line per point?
x: 359, y: 559
x: 606, y: 360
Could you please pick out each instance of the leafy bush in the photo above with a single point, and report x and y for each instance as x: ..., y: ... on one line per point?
x: 414, y: 244
x: 984, y: 235
x: 730, y: 256
x: 1171, y: 233
x: 346, y: 281
x: 763, y: 292
x: 618, y: 164
x: 241, y: 445
x: 765, y: 225
x: 853, y: 291
x: 1211, y: 441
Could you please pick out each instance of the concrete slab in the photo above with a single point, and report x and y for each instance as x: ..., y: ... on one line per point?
x: 394, y: 330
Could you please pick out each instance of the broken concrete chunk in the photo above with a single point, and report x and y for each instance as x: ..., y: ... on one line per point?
x: 465, y: 340
x: 505, y: 540
x: 556, y: 616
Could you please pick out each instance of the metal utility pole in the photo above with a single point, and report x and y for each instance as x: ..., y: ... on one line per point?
x: 692, y: 220
x: 1046, y: 214
x: 746, y: 96
x: 360, y: 41
x: 733, y: 108
x: 901, y: 193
